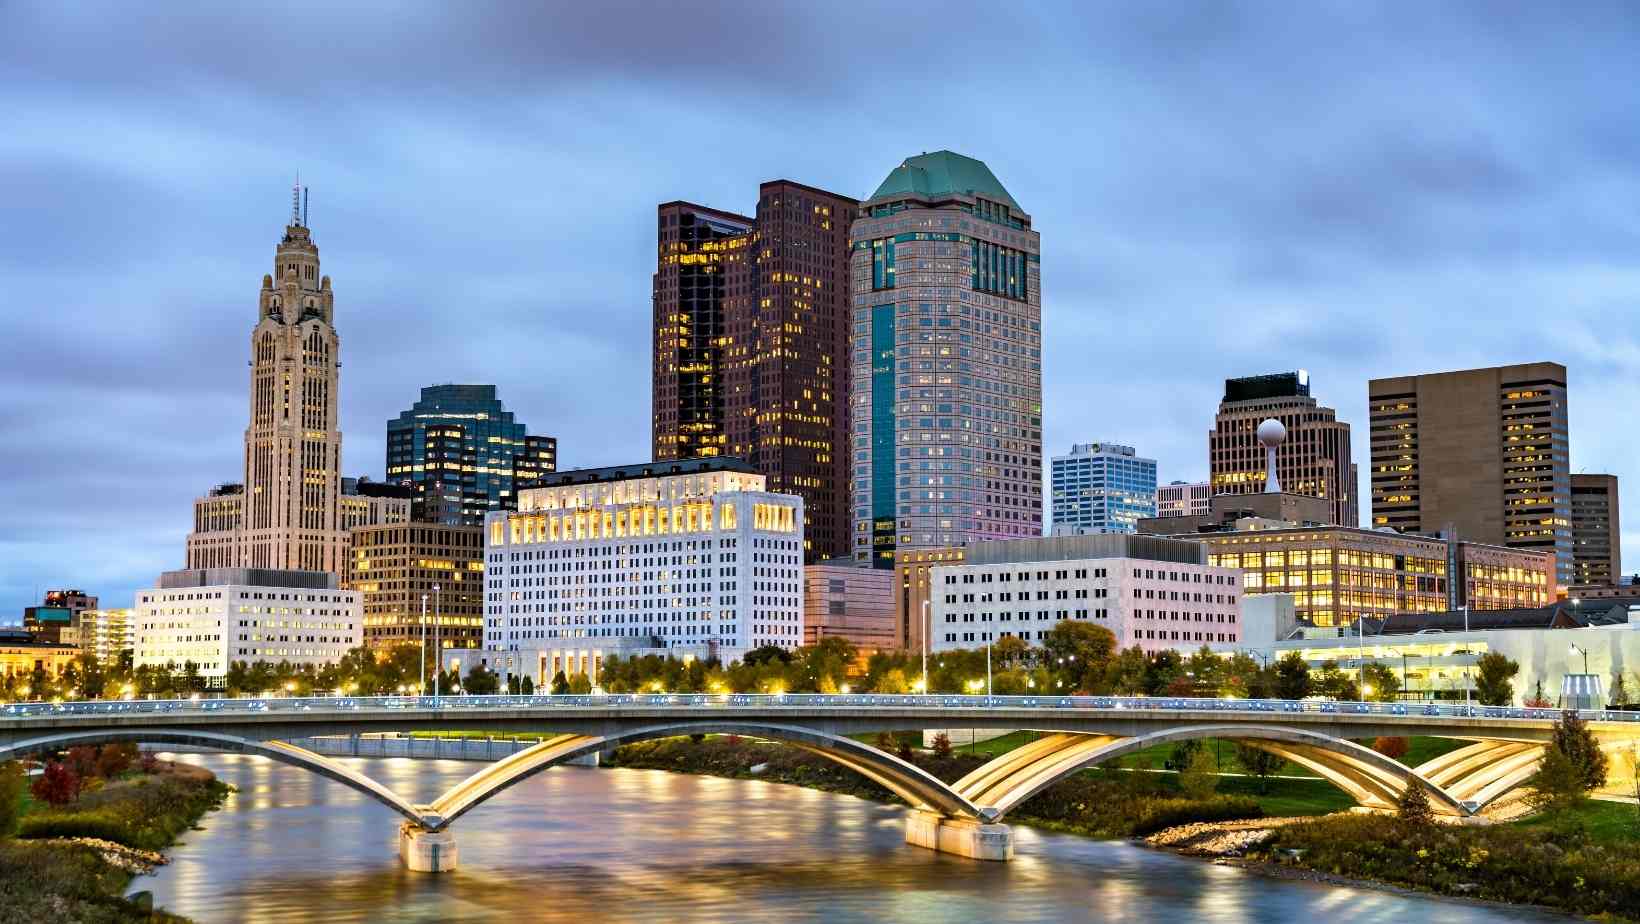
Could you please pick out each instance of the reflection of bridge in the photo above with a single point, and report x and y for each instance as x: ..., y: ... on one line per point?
x: 963, y: 817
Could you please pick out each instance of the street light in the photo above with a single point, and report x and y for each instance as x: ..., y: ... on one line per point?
x: 927, y: 626
x: 1584, y: 652
x: 438, y: 654
x: 421, y: 682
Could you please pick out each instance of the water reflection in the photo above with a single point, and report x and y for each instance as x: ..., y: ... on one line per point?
x: 577, y: 844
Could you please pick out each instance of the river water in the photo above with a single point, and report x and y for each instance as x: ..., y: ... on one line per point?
x: 585, y: 845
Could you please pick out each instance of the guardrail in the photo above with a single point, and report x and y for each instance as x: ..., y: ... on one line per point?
x: 457, y: 704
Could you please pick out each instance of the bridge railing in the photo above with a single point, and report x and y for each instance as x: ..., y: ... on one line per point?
x: 731, y: 701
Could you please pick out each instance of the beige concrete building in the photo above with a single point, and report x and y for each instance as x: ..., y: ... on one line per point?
x: 105, y: 633
x: 1597, y: 538
x: 21, y: 653
x: 843, y: 600
x: 1314, y: 459
x: 287, y: 513
x: 393, y: 566
x: 912, y: 569
x: 1482, y: 452
x: 1184, y: 499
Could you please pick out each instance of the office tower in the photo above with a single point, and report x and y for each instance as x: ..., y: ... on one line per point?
x: 1482, y: 452
x: 1102, y: 488
x: 751, y: 339
x: 106, y: 633
x: 694, y: 555
x: 843, y: 600
x: 1184, y: 499
x: 394, y: 565
x: 285, y: 514
x: 213, y: 617
x: 1597, y: 539
x: 372, y: 503
x: 1314, y: 459
x: 57, y: 618
x: 946, y: 392
x: 463, y: 455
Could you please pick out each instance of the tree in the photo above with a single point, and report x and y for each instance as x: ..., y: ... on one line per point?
x: 560, y: 684
x: 580, y: 684
x: 1557, y: 784
x: 1493, y: 675
x: 526, y: 686
x: 115, y: 759
x: 1200, y: 779
x: 1335, y: 684
x: 1125, y: 674
x: 11, y: 797
x: 1258, y: 762
x: 1537, y: 699
x: 83, y: 761
x: 1573, y: 738
x: 1078, y: 653
x: 942, y: 745
x: 1384, y: 683
x: 1160, y: 670
x: 1394, y: 748
x: 1183, y: 753
x: 1619, y: 695
x: 1413, y: 807
x: 481, y: 681
x: 765, y: 654
x: 57, y: 786
x: 1292, y: 677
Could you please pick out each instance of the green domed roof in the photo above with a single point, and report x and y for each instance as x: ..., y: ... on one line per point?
x: 944, y: 172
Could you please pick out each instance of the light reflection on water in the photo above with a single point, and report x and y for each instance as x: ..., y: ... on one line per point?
x: 584, y: 845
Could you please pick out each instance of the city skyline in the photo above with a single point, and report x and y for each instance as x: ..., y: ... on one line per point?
x: 139, y: 232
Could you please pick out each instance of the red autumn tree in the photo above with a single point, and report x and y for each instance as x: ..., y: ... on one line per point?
x: 57, y: 786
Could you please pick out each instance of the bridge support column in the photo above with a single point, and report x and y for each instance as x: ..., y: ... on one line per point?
x: 425, y: 851
x: 961, y: 836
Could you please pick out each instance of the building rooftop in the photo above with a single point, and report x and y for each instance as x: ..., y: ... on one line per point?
x: 246, y: 577
x: 944, y: 173
x: 1096, y: 545
x: 644, y: 470
x: 1560, y: 615
x: 1294, y: 384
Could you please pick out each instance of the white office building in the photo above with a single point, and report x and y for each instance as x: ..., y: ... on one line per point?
x: 694, y: 557
x: 1154, y: 594
x: 1184, y: 499
x: 215, y: 616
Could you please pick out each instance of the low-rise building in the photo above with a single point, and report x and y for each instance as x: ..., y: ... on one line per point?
x: 1184, y: 499
x: 695, y: 554
x: 23, y: 652
x: 215, y: 616
x: 912, y: 598
x: 106, y: 633
x: 843, y: 600
x: 1154, y: 593
x: 394, y: 566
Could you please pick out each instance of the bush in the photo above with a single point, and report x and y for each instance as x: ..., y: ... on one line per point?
x: 1394, y: 748
x: 11, y: 796
x: 942, y: 745
x: 1414, y: 805
x: 147, y: 813
x: 1200, y: 779
x: 57, y: 786
x: 115, y: 759
x: 1156, y: 814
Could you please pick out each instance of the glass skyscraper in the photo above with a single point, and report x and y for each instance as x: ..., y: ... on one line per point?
x: 463, y: 454
x: 1102, y: 488
x: 946, y: 356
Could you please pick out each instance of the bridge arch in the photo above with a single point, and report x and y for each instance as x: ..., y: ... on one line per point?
x: 273, y: 750
x: 1369, y: 777
x: 911, y: 783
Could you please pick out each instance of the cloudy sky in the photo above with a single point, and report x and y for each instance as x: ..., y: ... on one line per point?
x: 1222, y: 189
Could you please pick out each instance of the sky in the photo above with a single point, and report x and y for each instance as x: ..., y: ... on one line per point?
x: 1222, y: 189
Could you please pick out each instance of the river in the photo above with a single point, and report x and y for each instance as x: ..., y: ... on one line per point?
x: 585, y: 845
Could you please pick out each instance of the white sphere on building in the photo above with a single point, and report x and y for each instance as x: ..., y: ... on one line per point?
x: 1271, y: 433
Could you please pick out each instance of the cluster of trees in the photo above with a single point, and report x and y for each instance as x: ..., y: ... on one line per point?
x: 1074, y: 657
x: 81, y: 768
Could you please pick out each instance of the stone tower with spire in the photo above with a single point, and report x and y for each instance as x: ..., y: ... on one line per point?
x: 286, y: 513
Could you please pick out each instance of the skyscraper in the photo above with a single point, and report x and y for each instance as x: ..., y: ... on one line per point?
x: 285, y: 516
x: 1314, y: 459
x: 1597, y: 540
x: 1102, y: 488
x: 1482, y: 451
x: 463, y: 455
x: 751, y: 335
x: 946, y: 352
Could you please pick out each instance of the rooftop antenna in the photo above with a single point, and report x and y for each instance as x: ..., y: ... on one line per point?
x: 304, y: 206
x: 296, y: 201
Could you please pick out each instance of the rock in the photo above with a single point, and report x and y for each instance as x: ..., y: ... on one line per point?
x: 758, y: 769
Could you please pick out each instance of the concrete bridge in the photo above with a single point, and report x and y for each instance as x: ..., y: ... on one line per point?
x: 965, y: 818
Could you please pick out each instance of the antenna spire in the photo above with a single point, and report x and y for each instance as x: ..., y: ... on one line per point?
x: 296, y: 201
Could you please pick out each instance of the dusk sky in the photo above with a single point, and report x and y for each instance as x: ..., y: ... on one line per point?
x: 1222, y: 189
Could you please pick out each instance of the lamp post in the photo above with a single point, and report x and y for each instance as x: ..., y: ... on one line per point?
x: 438, y: 655
x: 1583, y: 651
x: 987, y: 668
x: 421, y: 681
x: 1469, y: 672
x: 927, y: 626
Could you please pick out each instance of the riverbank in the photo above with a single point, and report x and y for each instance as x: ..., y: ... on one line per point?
x: 74, y: 862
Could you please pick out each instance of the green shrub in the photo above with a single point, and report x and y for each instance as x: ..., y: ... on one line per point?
x: 147, y: 812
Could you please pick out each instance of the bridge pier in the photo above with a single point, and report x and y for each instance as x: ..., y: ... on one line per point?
x: 425, y: 851
x: 961, y: 836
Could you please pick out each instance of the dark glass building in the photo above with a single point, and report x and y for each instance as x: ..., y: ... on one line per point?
x: 751, y: 345
x: 462, y: 454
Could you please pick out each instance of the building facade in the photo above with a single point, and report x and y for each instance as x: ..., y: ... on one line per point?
x: 1337, y: 574
x: 1482, y: 452
x: 1314, y: 459
x: 286, y: 515
x: 1597, y: 535
x: 1184, y: 499
x: 394, y: 566
x: 913, y: 594
x: 947, y: 362
x: 22, y: 653
x: 462, y: 454
x: 844, y: 600
x: 214, y: 617
x: 1155, y: 593
x: 106, y: 633
x: 693, y: 555
x: 1102, y: 488
x: 751, y: 335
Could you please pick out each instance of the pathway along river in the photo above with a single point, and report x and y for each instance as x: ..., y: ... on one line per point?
x: 584, y: 845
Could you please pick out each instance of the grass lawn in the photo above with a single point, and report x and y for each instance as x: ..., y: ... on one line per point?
x: 1424, y: 749
x: 1607, y: 823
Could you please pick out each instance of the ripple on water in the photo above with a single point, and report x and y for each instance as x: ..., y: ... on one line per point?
x: 583, y: 845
